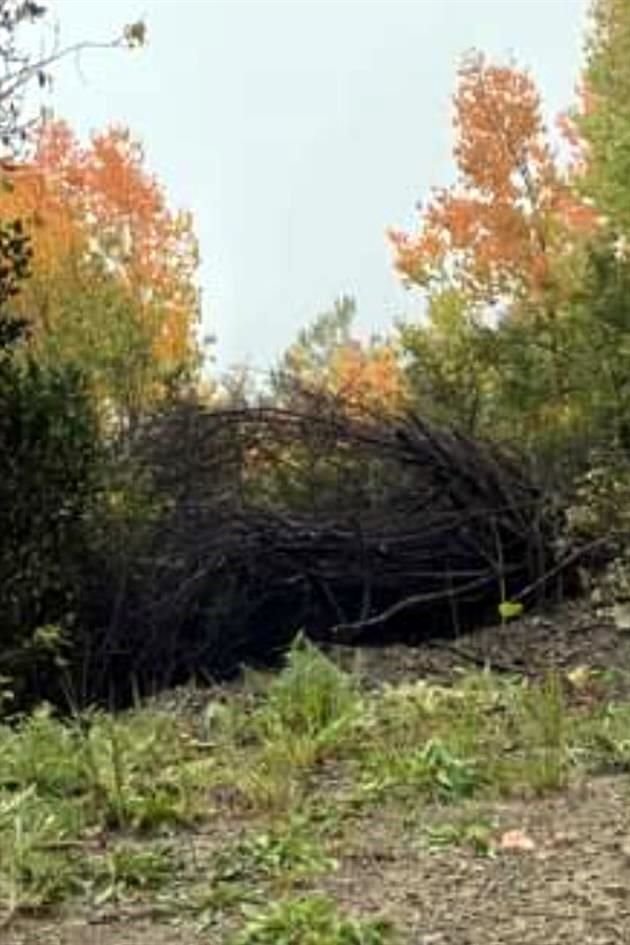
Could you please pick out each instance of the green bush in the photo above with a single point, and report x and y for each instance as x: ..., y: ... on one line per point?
x: 48, y: 462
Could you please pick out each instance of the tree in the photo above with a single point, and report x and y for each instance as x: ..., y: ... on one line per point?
x: 498, y: 256
x: 309, y: 356
x: 494, y: 234
x: 368, y: 378
x: 326, y: 358
x: 450, y: 363
x: 20, y: 69
x: 15, y: 257
x: 113, y: 285
x: 48, y: 460
x: 603, y: 118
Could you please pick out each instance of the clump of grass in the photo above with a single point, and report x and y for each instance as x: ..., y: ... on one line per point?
x: 38, y: 865
x: 130, y: 785
x: 432, y: 772
x: 307, y: 715
x: 310, y: 699
x: 43, y: 753
x: 311, y: 920
x: 543, y: 719
x: 127, y: 870
x: 600, y: 741
x: 113, y: 766
x: 288, y: 851
x: 61, y: 780
x: 482, y: 735
x: 273, y: 747
x: 262, y: 866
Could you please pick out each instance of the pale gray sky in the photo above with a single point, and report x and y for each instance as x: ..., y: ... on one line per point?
x: 297, y: 131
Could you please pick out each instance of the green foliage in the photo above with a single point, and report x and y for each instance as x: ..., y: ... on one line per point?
x: 63, y: 782
x: 130, y: 869
x: 450, y: 362
x: 600, y: 504
x: 100, y: 331
x: 605, y: 122
x: 509, y: 610
x: 432, y: 771
x: 116, y: 766
x: 311, y: 920
x: 35, y: 870
x: 289, y: 853
x: 310, y: 356
x: 602, y: 743
x: 542, y: 717
x: 49, y: 449
x: 527, y: 377
x: 448, y: 744
x: 311, y: 697
x: 97, y: 808
x: 307, y: 713
x: 467, y: 832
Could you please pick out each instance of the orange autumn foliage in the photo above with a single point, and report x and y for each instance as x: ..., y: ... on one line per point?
x: 368, y: 379
x: 499, y: 230
x: 98, y: 205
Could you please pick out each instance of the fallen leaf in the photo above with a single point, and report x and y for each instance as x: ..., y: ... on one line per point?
x: 508, y: 609
x: 579, y: 677
x: 517, y: 840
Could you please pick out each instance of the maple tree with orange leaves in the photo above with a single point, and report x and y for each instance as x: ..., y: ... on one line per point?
x: 496, y: 233
x: 99, y: 221
x: 512, y: 242
x: 368, y: 378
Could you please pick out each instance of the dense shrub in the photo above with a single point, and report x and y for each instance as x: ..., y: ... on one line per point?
x: 48, y: 461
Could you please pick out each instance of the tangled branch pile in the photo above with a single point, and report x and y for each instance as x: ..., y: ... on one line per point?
x: 263, y: 522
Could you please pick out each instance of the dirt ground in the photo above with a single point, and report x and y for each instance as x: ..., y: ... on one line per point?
x: 572, y: 886
x: 573, y: 634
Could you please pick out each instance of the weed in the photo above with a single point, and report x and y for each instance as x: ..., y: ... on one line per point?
x: 433, y: 771
x: 308, y: 713
x: 290, y: 850
x: 37, y: 868
x: 473, y: 834
x: 311, y: 698
x: 542, y: 717
x: 43, y: 753
x: 311, y: 920
x: 127, y: 869
x: 601, y: 740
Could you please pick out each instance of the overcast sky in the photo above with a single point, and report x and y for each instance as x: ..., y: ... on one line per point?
x: 297, y: 131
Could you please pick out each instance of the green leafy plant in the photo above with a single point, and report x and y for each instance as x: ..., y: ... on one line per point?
x: 311, y: 920
x: 475, y: 835
x: 306, y: 714
x: 434, y: 770
x: 311, y: 697
x: 288, y: 850
x: 509, y: 610
x: 36, y: 868
x: 540, y: 717
x: 127, y: 869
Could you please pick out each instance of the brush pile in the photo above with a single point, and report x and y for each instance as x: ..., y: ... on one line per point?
x: 272, y: 521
